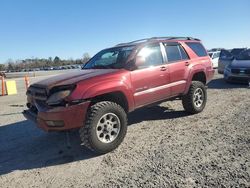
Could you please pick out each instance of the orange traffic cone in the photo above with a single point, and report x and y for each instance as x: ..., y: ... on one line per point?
x: 27, y: 82
x: 3, y: 85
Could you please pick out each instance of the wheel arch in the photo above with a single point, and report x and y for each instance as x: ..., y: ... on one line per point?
x: 117, y: 97
x: 196, y: 75
x: 200, y: 76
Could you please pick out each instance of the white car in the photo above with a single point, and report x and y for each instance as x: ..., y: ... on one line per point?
x: 214, y: 55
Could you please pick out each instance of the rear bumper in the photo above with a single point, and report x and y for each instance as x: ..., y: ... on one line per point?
x: 59, y: 118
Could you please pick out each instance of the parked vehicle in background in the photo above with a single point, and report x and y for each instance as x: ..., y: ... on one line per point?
x: 47, y: 68
x: 215, y: 49
x: 225, y: 58
x: 239, y: 69
x: 236, y: 51
x: 117, y: 81
x: 215, y: 57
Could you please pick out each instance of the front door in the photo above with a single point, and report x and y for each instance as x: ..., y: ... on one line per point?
x: 149, y: 80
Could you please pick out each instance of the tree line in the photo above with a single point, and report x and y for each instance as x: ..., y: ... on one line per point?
x: 41, y: 63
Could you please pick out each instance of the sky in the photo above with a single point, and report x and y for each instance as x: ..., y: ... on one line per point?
x: 70, y: 28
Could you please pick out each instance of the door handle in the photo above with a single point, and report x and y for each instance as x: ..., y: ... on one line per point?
x: 187, y: 63
x: 163, y: 68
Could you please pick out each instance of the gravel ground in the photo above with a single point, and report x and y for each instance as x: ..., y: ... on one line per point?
x: 164, y: 147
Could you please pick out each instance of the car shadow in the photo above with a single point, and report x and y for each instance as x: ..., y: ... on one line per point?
x: 24, y: 146
x: 154, y: 113
x: 220, y: 83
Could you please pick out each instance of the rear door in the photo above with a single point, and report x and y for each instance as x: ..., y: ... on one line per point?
x: 178, y: 62
x: 149, y: 79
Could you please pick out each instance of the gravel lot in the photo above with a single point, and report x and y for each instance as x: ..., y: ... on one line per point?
x: 164, y: 147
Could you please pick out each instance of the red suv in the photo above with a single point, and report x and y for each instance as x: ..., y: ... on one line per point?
x: 117, y: 81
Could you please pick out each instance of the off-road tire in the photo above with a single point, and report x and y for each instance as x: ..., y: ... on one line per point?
x: 88, y: 133
x: 188, y: 99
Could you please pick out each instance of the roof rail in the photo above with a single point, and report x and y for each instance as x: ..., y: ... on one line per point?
x: 134, y: 42
x: 157, y: 38
x: 176, y: 38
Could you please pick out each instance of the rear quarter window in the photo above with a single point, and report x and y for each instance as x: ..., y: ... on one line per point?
x: 197, y: 48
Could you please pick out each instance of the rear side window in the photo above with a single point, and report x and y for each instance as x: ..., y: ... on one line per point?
x: 197, y: 48
x: 175, y: 52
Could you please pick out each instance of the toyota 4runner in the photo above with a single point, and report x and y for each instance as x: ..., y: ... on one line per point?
x: 119, y: 80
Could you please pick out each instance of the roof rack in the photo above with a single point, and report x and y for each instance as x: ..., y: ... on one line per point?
x: 157, y: 38
x: 176, y: 38
x: 134, y: 42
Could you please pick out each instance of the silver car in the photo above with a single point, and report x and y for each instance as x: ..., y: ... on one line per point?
x: 226, y: 57
x: 239, y: 69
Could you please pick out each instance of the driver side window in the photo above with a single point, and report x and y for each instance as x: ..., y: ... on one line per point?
x: 152, y: 55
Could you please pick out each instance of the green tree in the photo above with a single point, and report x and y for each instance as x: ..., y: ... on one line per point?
x: 11, y: 65
x: 57, y: 60
x: 85, y: 58
x: 50, y: 59
x: 2, y: 67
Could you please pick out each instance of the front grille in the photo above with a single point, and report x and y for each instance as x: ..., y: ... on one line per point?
x: 241, y: 71
x: 37, y: 93
x: 235, y: 71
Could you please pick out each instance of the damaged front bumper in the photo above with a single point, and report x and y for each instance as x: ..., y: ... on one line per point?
x: 59, y: 118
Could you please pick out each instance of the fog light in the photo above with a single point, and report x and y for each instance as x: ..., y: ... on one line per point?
x: 55, y: 123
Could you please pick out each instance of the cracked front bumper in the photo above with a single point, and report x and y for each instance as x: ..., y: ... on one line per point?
x: 59, y: 118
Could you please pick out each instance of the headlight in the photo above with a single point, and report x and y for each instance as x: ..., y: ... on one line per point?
x: 58, y: 94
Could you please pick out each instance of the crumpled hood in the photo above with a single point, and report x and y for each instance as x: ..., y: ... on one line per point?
x: 72, y: 77
x: 240, y: 63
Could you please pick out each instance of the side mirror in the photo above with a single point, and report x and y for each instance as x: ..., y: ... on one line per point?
x: 139, y: 61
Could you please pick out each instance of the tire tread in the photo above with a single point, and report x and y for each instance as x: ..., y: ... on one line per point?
x: 187, y: 100
x: 91, y: 114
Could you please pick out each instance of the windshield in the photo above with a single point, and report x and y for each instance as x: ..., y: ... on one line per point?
x: 244, y: 55
x: 113, y: 58
x: 210, y: 54
x: 225, y: 54
x: 237, y: 51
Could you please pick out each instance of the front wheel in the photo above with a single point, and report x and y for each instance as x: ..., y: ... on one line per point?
x: 195, y: 100
x: 105, y: 127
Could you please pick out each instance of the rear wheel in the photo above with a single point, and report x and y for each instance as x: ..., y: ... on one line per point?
x: 195, y: 100
x: 105, y: 127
